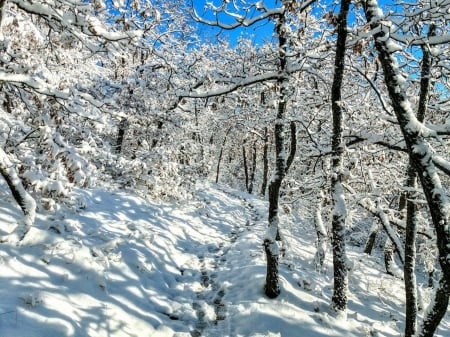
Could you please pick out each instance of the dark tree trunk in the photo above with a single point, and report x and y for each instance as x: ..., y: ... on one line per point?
x: 253, y: 171
x: 422, y: 163
x: 372, y: 237
x: 120, y: 135
x: 272, y: 288
x: 244, y: 158
x: 339, y: 298
x: 265, y: 162
x: 438, y: 309
x: 293, y: 147
x: 410, y: 258
x: 219, y: 160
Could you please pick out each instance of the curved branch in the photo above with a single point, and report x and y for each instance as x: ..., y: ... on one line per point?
x: 226, y: 90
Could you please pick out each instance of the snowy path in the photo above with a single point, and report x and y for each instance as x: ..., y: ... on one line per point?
x: 214, y: 269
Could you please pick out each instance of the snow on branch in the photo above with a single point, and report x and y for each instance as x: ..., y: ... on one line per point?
x: 373, y: 139
x: 386, y: 223
x: 240, y: 20
x: 34, y: 83
x: 400, y: 224
x: 75, y: 23
x: 230, y: 88
x: 241, y: 15
x: 41, y: 87
x: 441, y: 164
x: 23, y: 198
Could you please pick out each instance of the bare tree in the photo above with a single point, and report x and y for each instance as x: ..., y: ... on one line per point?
x: 339, y: 299
x: 420, y: 153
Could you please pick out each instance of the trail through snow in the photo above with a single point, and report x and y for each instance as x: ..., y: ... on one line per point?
x: 116, y: 265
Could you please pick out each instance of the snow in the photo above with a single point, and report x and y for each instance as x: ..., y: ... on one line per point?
x: 119, y: 265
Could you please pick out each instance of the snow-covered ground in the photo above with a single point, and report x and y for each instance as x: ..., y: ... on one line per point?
x: 116, y: 265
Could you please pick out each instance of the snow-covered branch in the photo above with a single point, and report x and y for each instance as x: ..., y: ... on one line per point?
x: 22, y: 197
x: 240, y: 20
x: 386, y: 223
x: 232, y: 87
x: 74, y: 22
x: 36, y: 84
x: 442, y: 164
x: 245, y: 16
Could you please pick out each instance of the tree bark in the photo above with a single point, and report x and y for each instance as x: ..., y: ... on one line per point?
x: 414, y: 135
x: 372, y: 237
x: 219, y: 160
x: 22, y: 197
x: 265, y: 162
x: 389, y: 262
x: 293, y: 147
x: 244, y: 158
x: 319, y: 257
x: 339, y: 298
x: 272, y: 287
x: 410, y: 257
x: 253, y: 171
x: 411, y: 207
x: 120, y: 135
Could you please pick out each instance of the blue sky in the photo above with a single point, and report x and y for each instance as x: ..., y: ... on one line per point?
x: 260, y: 32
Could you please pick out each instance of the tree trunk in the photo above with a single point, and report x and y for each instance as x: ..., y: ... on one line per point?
x: 272, y: 287
x: 411, y: 207
x: 265, y: 162
x: 120, y: 135
x: 414, y: 134
x: 339, y: 298
x: 410, y: 258
x: 293, y: 147
x: 389, y: 262
x: 244, y: 158
x: 376, y: 225
x: 372, y: 237
x: 25, y: 200
x: 219, y: 160
x: 253, y: 171
x: 319, y: 257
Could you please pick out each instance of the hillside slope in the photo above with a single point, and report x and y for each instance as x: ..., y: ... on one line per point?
x: 116, y: 265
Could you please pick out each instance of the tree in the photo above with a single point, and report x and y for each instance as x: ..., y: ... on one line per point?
x: 339, y: 299
x: 421, y: 157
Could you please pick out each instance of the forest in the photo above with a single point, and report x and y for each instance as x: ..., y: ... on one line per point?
x: 138, y: 132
